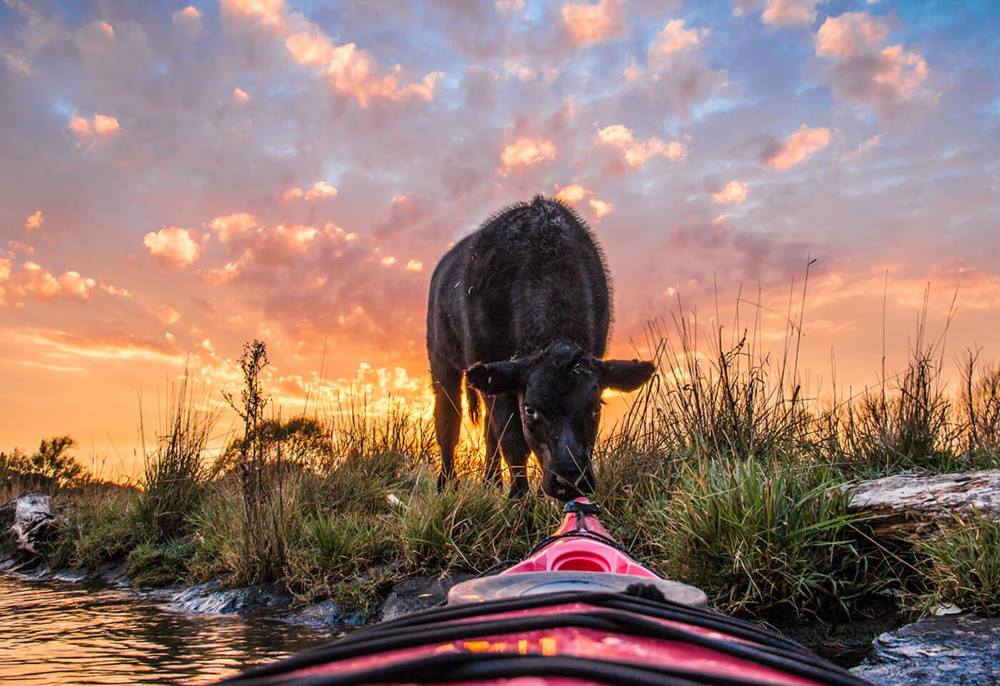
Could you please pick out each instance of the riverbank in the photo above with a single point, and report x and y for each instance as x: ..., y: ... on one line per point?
x: 721, y: 476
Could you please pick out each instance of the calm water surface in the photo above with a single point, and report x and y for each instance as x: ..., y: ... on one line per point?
x: 62, y: 633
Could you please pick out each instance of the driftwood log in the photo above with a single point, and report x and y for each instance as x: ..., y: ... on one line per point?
x: 29, y: 518
x: 907, y: 505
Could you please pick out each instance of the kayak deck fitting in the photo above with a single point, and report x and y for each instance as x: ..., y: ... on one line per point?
x: 578, y: 610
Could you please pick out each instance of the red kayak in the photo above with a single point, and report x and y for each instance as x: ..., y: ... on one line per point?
x: 578, y: 610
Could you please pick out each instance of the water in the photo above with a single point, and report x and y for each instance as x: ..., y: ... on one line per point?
x: 59, y: 633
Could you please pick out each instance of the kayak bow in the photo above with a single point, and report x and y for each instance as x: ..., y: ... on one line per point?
x: 578, y: 610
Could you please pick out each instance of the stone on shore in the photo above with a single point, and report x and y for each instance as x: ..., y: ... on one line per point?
x: 959, y: 650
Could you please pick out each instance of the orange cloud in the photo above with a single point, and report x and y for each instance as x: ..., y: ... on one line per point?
x: 320, y: 189
x: 572, y: 194
x: 797, y: 148
x: 173, y: 244
x: 240, y: 95
x: 230, y: 225
x: 414, y: 266
x: 592, y: 23
x: 636, y: 152
x: 601, y: 208
x: 674, y: 38
x: 352, y: 71
x: 865, y: 70
x: 789, y: 12
x: 527, y: 152
x: 125, y: 347
x: 270, y: 12
x: 900, y: 71
x: 733, y: 193
x: 849, y: 35
x: 100, y: 125
x: 33, y: 280
x: 34, y: 220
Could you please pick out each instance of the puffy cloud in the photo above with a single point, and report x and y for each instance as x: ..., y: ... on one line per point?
x: 188, y: 21
x: 352, y: 71
x: 733, y: 193
x: 675, y: 73
x: 240, y: 95
x: 414, y: 266
x: 230, y: 225
x: 269, y: 12
x: 527, y: 152
x: 674, y: 38
x: 789, y: 12
x: 34, y: 220
x: 883, y: 77
x: 575, y: 193
x: 34, y: 280
x: 636, y: 152
x: 592, y: 23
x: 173, y: 244
x: 849, y: 35
x: 797, y: 148
x: 99, y: 126
x: 601, y: 208
x: 572, y: 194
x: 320, y: 189
x: 388, y: 261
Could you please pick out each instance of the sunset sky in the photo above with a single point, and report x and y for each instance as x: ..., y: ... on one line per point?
x: 177, y: 178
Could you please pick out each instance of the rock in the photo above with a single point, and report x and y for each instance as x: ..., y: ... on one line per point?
x: 324, y: 614
x: 418, y: 593
x: 905, y: 505
x: 960, y: 650
x: 209, y: 598
x: 32, y: 521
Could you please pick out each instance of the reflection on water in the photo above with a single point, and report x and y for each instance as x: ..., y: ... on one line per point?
x: 53, y: 633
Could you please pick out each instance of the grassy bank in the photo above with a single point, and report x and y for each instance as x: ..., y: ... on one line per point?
x: 722, y: 475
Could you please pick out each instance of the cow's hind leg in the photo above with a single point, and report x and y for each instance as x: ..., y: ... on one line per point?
x: 507, y: 420
x: 447, y: 418
x: 493, y: 477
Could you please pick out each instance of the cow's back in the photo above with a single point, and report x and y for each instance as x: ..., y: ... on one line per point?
x: 532, y: 274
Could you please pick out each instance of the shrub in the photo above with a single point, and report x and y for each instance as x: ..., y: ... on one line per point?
x: 51, y: 466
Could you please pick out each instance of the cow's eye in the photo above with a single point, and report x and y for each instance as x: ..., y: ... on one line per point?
x: 530, y: 412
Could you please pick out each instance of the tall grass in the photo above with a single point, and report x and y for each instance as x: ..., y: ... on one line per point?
x: 766, y: 535
x: 980, y: 403
x: 176, y: 470
x: 962, y: 565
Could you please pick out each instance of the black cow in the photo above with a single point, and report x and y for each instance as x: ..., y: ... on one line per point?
x: 523, y: 305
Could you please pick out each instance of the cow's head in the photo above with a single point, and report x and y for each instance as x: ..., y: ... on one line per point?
x: 559, y: 395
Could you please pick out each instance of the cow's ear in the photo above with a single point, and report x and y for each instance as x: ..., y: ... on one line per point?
x: 625, y: 375
x: 494, y: 378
